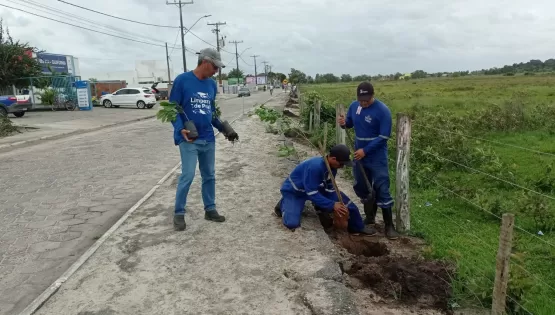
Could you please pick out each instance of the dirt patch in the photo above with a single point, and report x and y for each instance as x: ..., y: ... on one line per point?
x: 378, y: 265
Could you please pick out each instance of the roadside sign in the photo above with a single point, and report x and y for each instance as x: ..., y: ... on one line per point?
x: 84, y: 100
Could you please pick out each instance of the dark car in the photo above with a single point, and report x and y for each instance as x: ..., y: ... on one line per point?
x: 17, y: 105
x: 244, y: 91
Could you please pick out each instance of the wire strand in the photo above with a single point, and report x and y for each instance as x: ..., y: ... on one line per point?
x: 483, y: 209
x: 81, y: 27
x: 487, y: 174
x: 116, y: 17
x: 486, y: 140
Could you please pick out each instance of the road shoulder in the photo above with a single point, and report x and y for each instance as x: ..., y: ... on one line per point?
x: 248, y: 265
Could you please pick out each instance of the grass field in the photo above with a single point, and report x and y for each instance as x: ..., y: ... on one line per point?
x: 465, y: 128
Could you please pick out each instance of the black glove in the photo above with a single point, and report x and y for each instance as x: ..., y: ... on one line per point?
x: 232, y: 136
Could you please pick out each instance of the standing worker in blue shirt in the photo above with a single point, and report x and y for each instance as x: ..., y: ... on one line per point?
x: 310, y: 180
x: 371, y: 120
x: 195, y: 92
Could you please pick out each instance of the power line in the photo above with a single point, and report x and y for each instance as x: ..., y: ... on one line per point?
x: 175, y: 42
x: 64, y: 15
x: 245, y: 62
x: 88, y: 29
x: 116, y: 17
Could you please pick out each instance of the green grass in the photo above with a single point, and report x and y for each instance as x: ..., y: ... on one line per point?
x: 518, y: 111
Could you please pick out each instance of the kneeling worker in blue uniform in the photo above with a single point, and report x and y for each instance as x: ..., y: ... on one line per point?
x: 310, y: 180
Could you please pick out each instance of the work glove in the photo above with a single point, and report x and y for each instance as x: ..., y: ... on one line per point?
x: 232, y: 136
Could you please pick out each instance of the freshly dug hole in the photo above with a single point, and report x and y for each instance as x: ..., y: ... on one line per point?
x: 410, y: 280
x: 362, y: 246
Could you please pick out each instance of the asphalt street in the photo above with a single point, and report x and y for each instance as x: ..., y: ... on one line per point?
x: 58, y: 197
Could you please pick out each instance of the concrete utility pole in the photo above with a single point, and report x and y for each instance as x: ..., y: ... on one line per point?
x: 217, y: 31
x: 168, y: 64
x: 266, y: 70
x: 181, y: 4
x: 255, y: 73
x: 236, y: 57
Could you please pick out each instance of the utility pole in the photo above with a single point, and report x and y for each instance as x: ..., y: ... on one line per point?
x: 236, y: 57
x: 266, y: 70
x: 217, y: 31
x: 255, y: 73
x: 181, y: 4
x: 168, y: 64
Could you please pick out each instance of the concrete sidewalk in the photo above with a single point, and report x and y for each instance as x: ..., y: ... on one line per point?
x: 250, y: 264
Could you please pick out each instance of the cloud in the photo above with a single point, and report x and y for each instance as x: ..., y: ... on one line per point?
x: 315, y: 36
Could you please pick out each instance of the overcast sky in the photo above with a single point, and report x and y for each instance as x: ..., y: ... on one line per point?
x: 315, y: 36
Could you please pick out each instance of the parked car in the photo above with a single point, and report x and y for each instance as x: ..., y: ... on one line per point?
x: 244, y: 91
x: 17, y: 105
x: 140, y: 97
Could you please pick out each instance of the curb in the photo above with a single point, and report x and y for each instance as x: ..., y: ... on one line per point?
x: 25, y: 143
x: 53, y: 288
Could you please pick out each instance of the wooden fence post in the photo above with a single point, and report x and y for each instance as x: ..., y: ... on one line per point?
x: 502, y: 265
x: 311, y: 121
x: 317, y: 110
x: 402, y: 173
x: 339, y: 132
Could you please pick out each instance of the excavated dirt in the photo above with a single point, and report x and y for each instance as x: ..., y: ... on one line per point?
x: 394, y: 271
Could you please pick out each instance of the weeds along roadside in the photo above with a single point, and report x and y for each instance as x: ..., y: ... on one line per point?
x: 445, y: 195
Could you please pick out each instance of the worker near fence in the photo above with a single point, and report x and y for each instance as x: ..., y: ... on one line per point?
x: 310, y: 180
x: 371, y: 120
x: 195, y: 92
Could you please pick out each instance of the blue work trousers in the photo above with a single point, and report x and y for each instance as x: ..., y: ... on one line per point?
x: 378, y: 174
x: 292, y: 207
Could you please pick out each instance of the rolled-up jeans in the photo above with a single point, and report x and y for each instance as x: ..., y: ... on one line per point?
x: 205, y: 153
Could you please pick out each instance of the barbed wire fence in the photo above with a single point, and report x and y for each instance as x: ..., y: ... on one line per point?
x: 490, y: 267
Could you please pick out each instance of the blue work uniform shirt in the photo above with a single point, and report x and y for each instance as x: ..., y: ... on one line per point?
x: 197, y: 98
x: 372, y: 128
x: 308, y: 180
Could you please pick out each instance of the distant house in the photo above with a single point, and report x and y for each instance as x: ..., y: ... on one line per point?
x: 405, y: 76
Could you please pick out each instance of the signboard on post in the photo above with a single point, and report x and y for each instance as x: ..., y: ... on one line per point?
x: 84, y: 95
x: 58, y: 63
x: 260, y: 80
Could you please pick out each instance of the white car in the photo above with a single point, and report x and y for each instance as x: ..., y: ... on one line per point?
x: 140, y: 97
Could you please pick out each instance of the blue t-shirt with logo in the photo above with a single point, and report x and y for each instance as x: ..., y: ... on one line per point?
x: 197, y: 98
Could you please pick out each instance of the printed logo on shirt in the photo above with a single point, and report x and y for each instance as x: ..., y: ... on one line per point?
x: 201, y: 103
x: 368, y: 118
x: 202, y: 95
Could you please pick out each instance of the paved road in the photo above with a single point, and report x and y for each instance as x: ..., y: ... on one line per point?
x: 58, y: 197
x: 57, y: 123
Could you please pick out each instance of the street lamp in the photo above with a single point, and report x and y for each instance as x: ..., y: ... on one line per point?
x: 183, y: 38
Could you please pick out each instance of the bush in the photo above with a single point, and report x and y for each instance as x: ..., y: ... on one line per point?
x: 6, y: 127
x: 48, y: 96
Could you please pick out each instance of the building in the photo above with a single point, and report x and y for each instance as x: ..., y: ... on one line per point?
x: 146, y: 73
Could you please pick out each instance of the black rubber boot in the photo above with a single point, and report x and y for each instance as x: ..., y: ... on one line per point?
x: 179, y: 222
x: 277, y: 209
x: 370, y: 210
x: 390, y: 231
x: 326, y: 219
x: 368, y: 231
x: 213, y: 216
